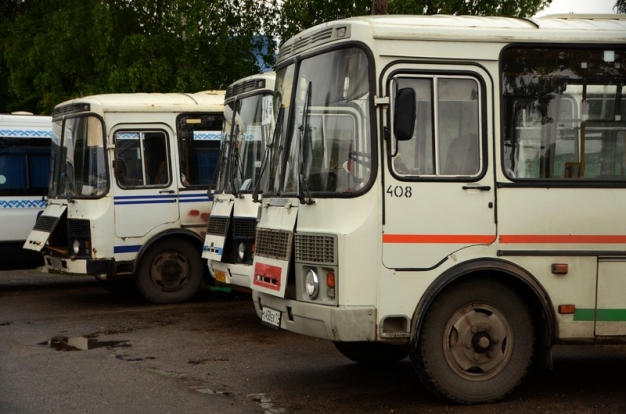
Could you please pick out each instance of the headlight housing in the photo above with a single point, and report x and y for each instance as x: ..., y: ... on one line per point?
x: 312, y: 284
x: 76, y: 247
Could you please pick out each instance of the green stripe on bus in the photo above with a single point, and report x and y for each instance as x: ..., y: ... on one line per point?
x: 603, y: 315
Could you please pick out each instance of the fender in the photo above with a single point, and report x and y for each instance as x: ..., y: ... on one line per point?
x: 508, y: 272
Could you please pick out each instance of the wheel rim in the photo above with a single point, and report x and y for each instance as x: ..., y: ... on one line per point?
x: 170, y: 271
x: 477, y: 342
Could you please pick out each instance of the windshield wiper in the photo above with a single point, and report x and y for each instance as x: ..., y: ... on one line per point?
x: 234, y: 163
x: 305, y: 133
x: 268, y: 154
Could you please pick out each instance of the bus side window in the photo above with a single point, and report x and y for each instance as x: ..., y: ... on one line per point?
x: 451, y: 147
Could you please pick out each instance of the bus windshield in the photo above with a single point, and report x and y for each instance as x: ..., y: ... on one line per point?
x: 78, y: 162
x: 323, y: 145
x: 247, y: 128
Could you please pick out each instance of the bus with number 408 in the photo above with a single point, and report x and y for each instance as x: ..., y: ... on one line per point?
x: 450, y: 189
x: 129, y: 196
x: 248, y: 126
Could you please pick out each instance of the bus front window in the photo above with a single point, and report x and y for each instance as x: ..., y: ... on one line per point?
x: 328, y: 147
x: 79, y: 167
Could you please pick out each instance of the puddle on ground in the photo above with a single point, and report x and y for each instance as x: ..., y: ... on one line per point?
x: 83, y: 343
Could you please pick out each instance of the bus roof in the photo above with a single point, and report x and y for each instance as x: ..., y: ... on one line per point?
x: 210, y: 101
x: 25, y: 126
x: 554, y: 29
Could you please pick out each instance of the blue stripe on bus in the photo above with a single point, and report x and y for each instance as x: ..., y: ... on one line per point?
x: 162, y: 199
x: 126, y: 249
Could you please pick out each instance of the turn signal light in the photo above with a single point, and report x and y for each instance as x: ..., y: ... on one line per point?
x: 567, y: 309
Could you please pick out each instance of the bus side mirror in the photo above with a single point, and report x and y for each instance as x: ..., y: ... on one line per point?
x: 404, y: 114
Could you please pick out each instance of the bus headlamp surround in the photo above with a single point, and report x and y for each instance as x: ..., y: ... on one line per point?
x: 312, y: 284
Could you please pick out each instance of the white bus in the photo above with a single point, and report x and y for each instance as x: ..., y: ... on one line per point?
x: 129, y: 194
x: 24, y: 174
x: 449, y: 188
x: 230, y: 235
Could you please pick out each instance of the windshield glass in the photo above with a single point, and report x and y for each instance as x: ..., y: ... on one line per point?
x: 328, y: 146
x: 247, y: 128
x: 78, y: 163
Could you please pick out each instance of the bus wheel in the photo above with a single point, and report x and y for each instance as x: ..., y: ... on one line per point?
x: 476, y: 342
x: 169, y: 272
x: 371, y: 352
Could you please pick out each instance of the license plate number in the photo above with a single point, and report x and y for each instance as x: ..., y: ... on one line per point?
x: 220, y: 276
x: 271, y: 318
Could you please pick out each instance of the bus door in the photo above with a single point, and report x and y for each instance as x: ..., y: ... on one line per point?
x: 439, y: 194
x: 146, y: 191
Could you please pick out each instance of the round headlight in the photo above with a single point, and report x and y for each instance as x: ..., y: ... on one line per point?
x: 76, y: 247
x: 242, y: 251
x: 312, y: 284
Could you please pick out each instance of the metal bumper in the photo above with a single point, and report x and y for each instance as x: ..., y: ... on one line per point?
x: 336, y: 323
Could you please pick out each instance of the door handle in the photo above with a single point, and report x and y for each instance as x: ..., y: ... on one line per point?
x: 166, y: 192
x: 477, y: 187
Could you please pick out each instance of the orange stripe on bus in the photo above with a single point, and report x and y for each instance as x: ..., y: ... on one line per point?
x: 564, y: 239
x: 438, y: 238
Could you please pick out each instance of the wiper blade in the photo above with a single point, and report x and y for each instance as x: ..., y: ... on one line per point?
x: 267, y: 155
x: 305, y: 132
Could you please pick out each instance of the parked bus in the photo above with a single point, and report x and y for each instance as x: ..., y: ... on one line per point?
x: 230, y: 235
x: 129, y: 194
x: 24, y: 173
x: 449, y: 188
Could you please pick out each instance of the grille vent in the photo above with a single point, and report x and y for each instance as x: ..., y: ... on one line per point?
x: 320, y: 37
x: 73, y: 108
x: 45, y: 223
x: 244, y: 227
x: 217, y: 226
x: 246, y: 86
x: 78, y: 228
x: 273, y: 243
x: 315, y: 248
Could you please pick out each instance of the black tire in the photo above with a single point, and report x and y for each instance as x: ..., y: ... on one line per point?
x: 169, y: 272
x: 476, y: 342
x: 371, y: 352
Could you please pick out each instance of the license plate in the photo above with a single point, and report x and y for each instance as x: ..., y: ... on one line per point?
x: 220, y: 276
x: 270, y: 317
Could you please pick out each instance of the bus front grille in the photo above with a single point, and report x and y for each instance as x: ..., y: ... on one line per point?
x: 273, y: 243
x: 218, y: 226
x: 315, y: 248
x: 244, y: 227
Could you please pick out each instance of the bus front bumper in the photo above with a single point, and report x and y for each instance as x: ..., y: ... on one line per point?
x: 79, y: 266
x: 336, y: 323
x: 233, y: 274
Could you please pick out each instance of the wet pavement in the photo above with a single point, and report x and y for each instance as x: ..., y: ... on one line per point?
x: 69, y: 346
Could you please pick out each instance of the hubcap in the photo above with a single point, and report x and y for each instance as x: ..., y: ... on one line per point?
x: 170, y: 271
x: 477, y: 342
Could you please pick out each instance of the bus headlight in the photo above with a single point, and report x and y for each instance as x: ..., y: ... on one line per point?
x: 241, y: 251
x: 76, y: 247
x: 312, y: 284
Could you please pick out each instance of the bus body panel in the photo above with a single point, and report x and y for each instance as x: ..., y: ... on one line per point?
x: 229, y: 245
x: 491, y: 207
x: 24, y: 174
x: 150, y: 157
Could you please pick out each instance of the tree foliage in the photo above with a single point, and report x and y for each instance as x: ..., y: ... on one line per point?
x: 55, y: 50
